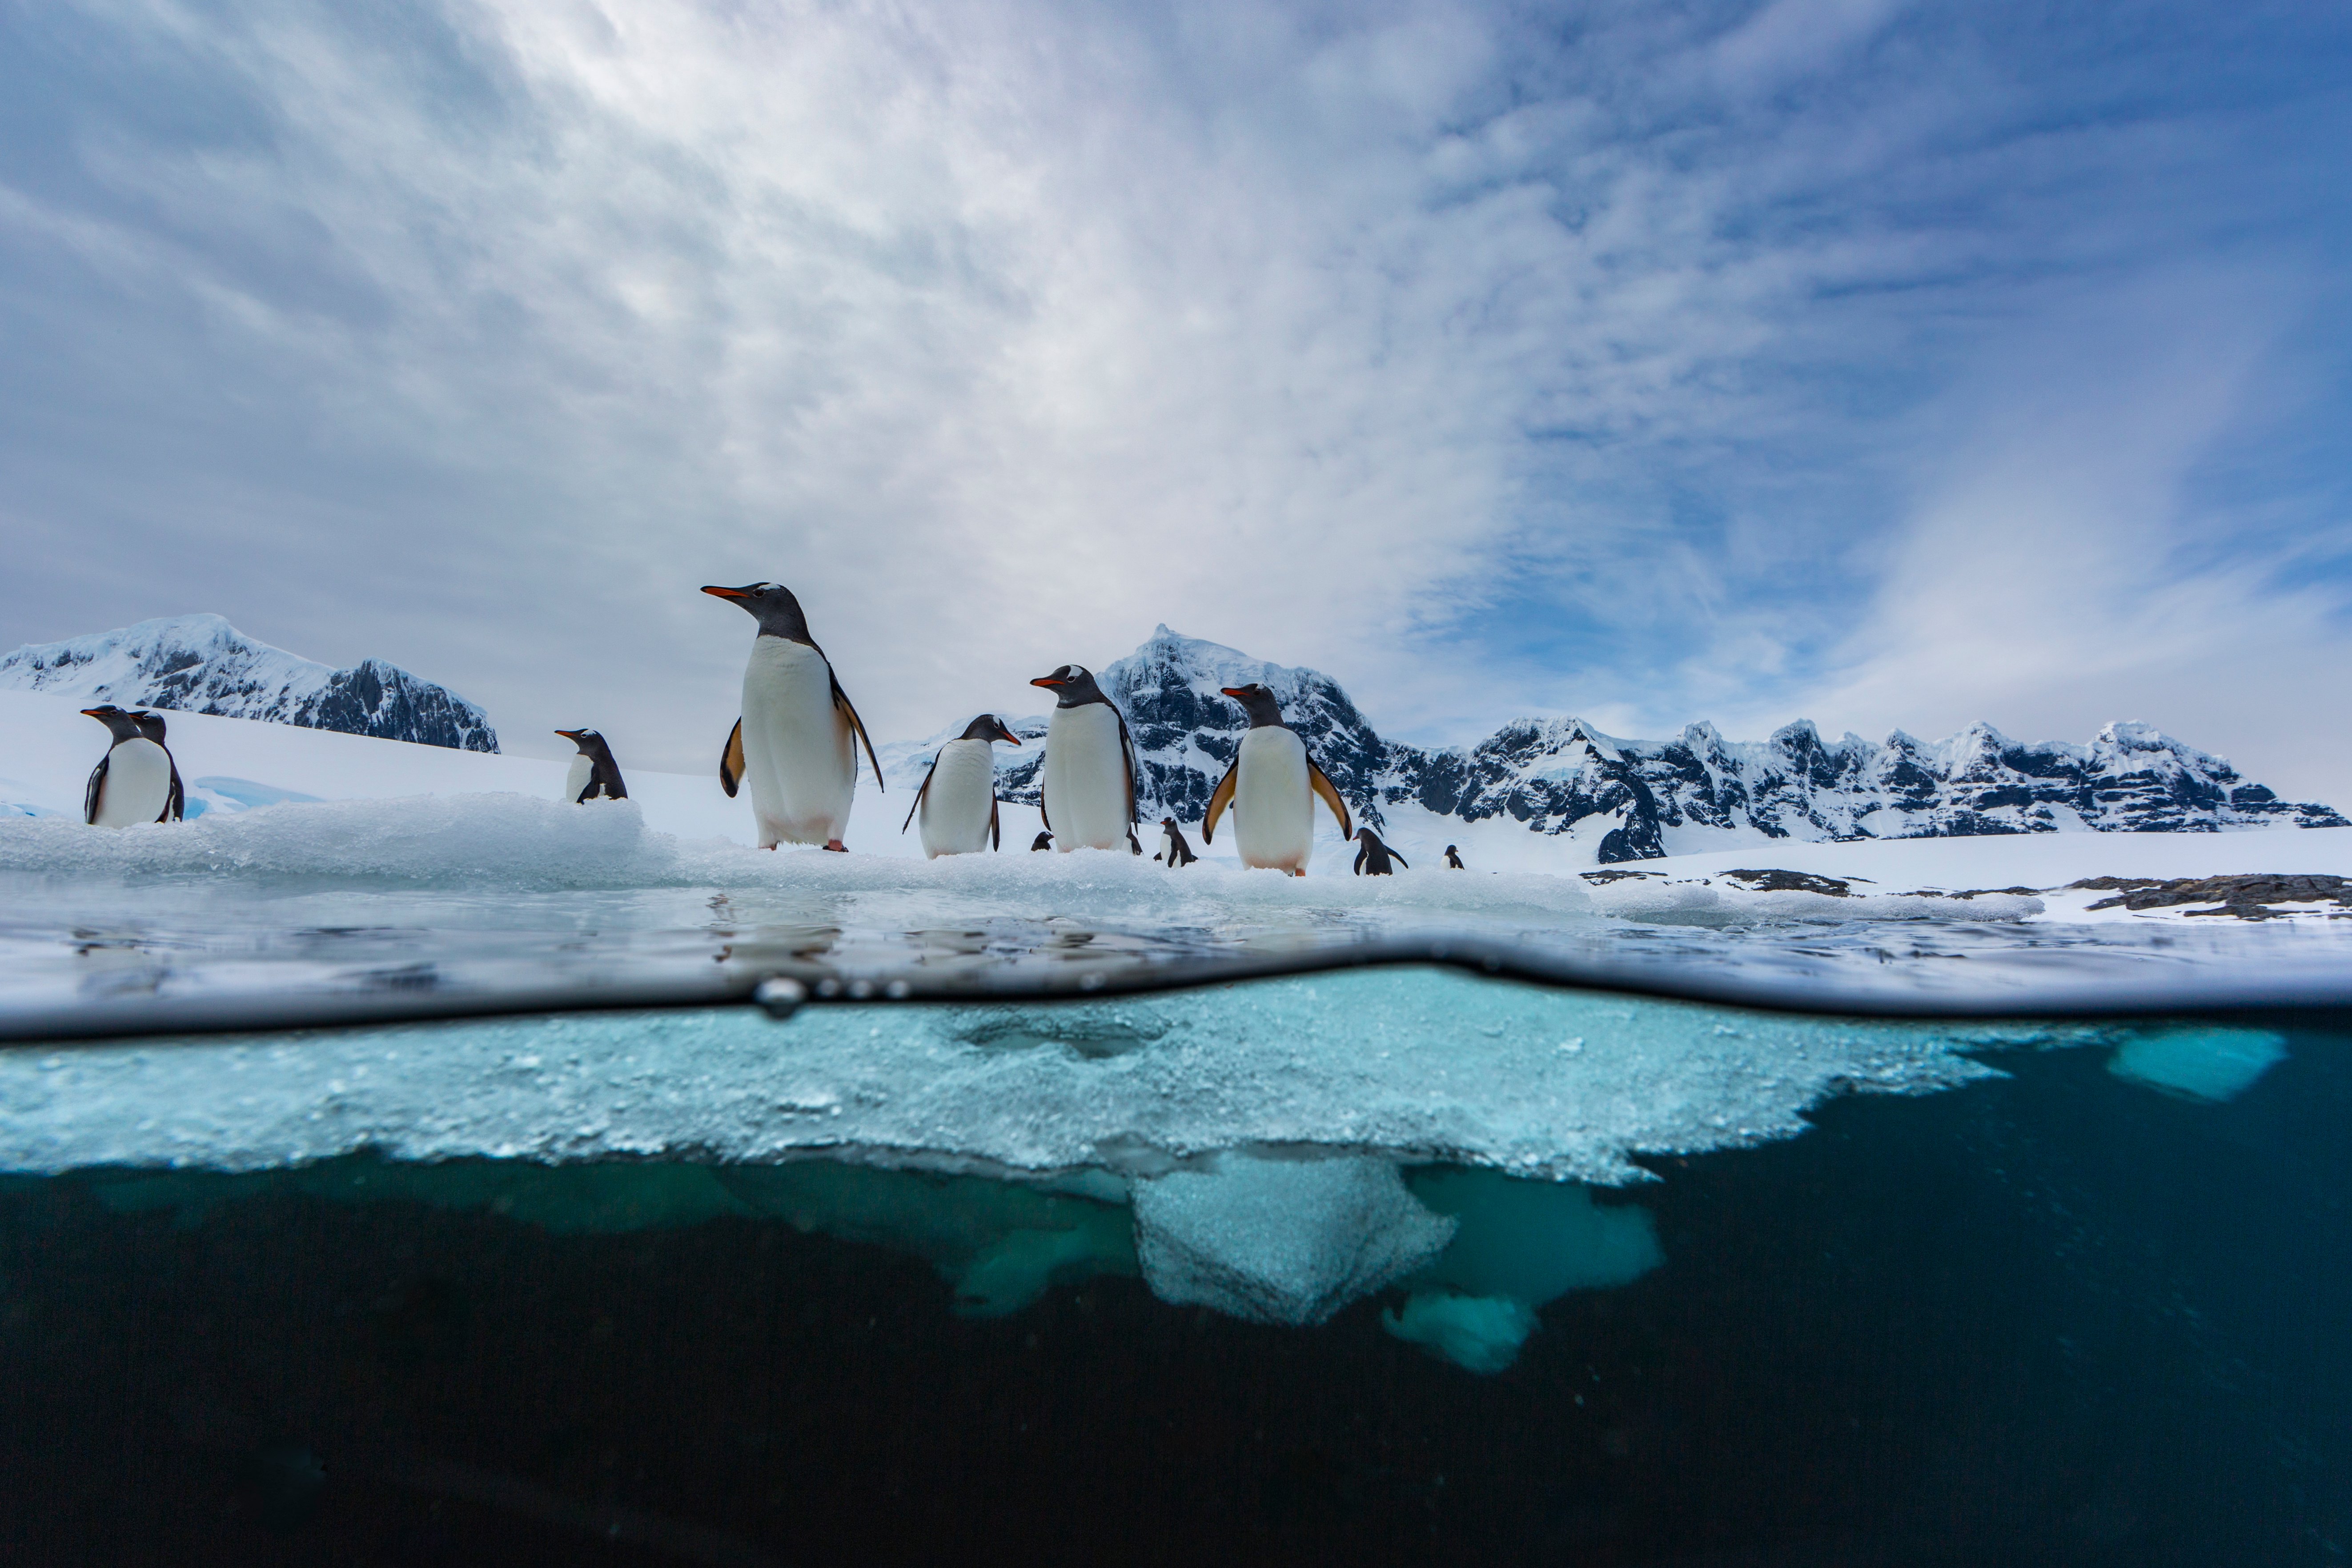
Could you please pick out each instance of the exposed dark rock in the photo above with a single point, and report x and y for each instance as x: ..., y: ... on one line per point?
x: 2247, y: 897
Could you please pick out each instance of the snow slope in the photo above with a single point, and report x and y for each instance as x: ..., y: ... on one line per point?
x: 201, y: 664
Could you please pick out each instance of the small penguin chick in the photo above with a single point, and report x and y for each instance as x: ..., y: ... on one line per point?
x: 1173, y: 849
x: 1373, y: 857
x: 595, y: 776
x: 1452, y: 859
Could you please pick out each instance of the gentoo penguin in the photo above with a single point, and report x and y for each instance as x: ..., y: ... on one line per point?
x: 1373, y: 857
x: 1173, y: 849
x: 594, y: 775
x: 1089, y: 772
x: 958, y: 800
x: 136, y: 781
x: 797, y: 740
x: 1454, y: 859
x: 1271, y: 787
x: 1042, y: 841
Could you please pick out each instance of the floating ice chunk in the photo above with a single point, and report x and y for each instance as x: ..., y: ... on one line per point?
x: 1519, y: 1245
x: 1423, y: 1067
x: 2197, y: 1060
x: 1533, y: 1240
x: 1479, y: 1333
x: 1281, y: 1241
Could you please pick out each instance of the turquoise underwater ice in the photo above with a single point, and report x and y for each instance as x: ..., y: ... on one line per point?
x: 1467, y: 1150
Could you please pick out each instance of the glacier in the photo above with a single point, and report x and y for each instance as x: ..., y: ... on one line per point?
x: 201, y: 664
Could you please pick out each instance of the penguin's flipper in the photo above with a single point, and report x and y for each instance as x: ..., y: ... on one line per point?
x: 995, y: 829
x: 1331, y: 793
x: 1126, y: 750
x: 97, y: 783
x: 730, y: 762
x: 176, y: 803
x: 1221, y: 798
x: 840, y: 701
x: 1362, y: 850
x: 920, y: 793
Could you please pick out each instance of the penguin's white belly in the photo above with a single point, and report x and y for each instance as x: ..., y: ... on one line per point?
x: 1086, y: 778
x: 1168, y: 846
x: 957, y: 803
x: 137, y: 786
x: 582, y: 770
x: 1273, y: 801
x: 799, y: 753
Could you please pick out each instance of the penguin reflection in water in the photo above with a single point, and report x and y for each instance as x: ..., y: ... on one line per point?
x: 1373, y: 857
x: 958, y: 800
x: 1087, y: 785
x: 797, y: 740
x: 1173, y: 849
x: 137, y: 780
x: 594, y: 775
x: 1271, y: 788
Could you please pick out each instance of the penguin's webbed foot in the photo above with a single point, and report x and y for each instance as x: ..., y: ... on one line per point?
x: 836, y: 846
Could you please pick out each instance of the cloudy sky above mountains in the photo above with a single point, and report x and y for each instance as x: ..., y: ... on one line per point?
x: 1883, y: 363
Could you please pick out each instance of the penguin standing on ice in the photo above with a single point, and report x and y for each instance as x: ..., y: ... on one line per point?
x: 1088, y: 779
x: 1042, y: 841
x: 797, y: 740
x: 1454, y: 859
x: 1271, y: 787
x: 1173, y: 849
x: 594, y: 775
x: 137, y: 780
x: 958, y: 800
x: 1373, y: 857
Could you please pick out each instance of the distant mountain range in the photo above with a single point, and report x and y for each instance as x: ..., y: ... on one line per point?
x: 1562, y: 776
x: 201, y: 664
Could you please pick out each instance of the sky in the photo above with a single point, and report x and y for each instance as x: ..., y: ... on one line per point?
x: 1886, y: 364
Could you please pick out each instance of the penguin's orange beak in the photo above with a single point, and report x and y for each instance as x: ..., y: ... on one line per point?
x: 1012, y: 737
x: 1041, y: 680
x: 569, y: 735
x: 727, y: 593
x: 1233, y: 691
x: 93, y: 712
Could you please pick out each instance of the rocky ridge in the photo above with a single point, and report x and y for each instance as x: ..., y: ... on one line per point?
x: 201, y: 664
x: 1563, y: 776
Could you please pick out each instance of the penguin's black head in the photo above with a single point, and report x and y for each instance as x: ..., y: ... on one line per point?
x: 123, y: 726
x: 1257, y: 702
x: 772, y: 605
x: 1366, y: 835
x: 1073, y: 686
x: 150, y: 725
x: 589, y: 742
x: 988, y: 727
x: 1451, y: 850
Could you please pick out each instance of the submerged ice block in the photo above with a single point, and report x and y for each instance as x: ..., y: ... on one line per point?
x: 1281, y: 1241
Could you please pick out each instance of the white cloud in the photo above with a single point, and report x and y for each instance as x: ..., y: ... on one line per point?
x: 1364, y: 338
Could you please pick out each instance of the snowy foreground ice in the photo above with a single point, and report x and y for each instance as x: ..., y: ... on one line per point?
x: 1274, y: 1150
x: 434, y: 904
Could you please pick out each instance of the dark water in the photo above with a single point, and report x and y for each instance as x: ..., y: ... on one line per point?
x: 2050, y: 1316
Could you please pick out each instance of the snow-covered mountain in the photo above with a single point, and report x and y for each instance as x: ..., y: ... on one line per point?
x: 1559, y: 775
x: 201, y: 664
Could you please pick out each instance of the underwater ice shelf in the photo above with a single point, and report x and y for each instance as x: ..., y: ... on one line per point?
x: 1275, y: 1150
